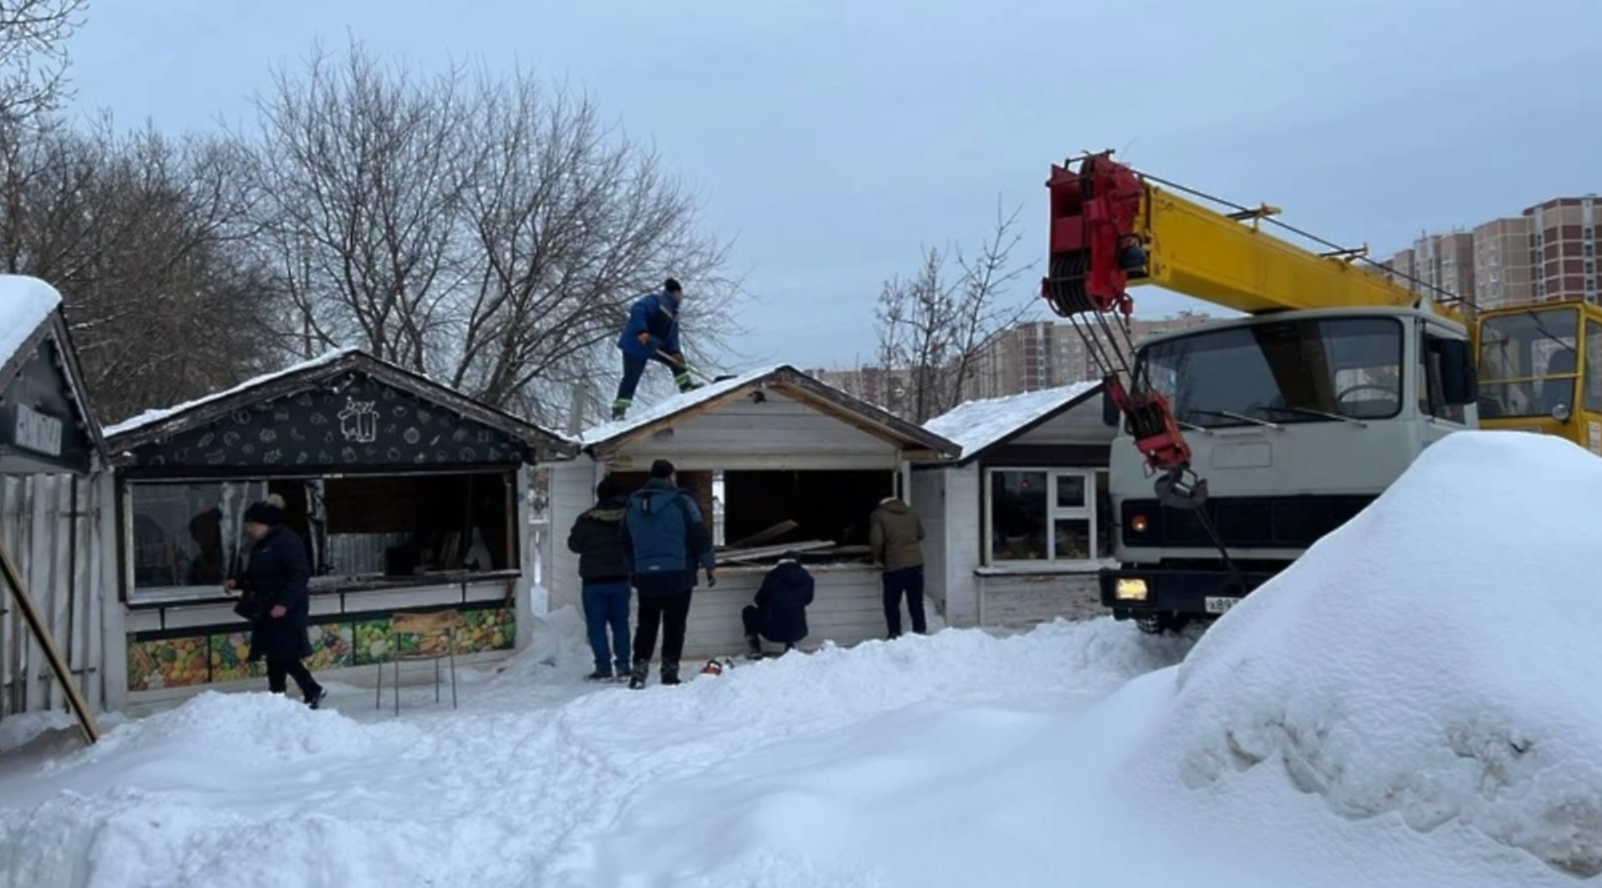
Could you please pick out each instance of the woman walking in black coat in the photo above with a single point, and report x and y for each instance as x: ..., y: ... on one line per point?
x: 275, y: 600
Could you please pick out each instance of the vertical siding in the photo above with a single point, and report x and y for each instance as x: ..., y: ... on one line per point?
x: 929, y: 503
x: 964, y: 540
x: 52, y: 529
x: 572, y: 491
x: 531, y: 601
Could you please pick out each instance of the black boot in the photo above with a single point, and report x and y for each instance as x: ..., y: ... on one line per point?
x: 753, y: 649
x: 637, y: 676
x: 670, y: 672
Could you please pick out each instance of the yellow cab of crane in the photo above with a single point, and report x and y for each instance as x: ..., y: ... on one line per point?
x: 1540, y: 370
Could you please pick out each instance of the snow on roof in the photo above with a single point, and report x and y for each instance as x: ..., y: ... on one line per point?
x: 1398, y: 674
x: 638, y: 417
x: 25, y: 303
x: 154, y: 416
x: 977, y: 425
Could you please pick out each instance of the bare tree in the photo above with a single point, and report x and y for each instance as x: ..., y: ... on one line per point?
x: 141, y: 234
x: 33, y: 57
x: 488, y: 232
x: 936, y: 325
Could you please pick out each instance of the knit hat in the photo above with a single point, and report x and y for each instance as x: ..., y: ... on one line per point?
x: 672, y: 286
x: 661, y: 469
x: 269, y: 512
x: 608, y: 488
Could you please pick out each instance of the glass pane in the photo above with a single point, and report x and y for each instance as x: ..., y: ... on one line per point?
x: 1070, y: 491
x: 1073, y: 539
x: 1519, y: 353
x: 1019, y: 514
x: 186, y: 534
x: 1281, y: 371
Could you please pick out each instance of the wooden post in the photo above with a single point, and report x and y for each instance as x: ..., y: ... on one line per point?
x: 41, y: 632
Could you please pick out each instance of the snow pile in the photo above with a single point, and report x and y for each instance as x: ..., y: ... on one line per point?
x: 253, y: 790
x: 558, y: 650
x: 640, y: 415
x: 17, y: 731
x: 25, y: 303
x: 1433, y: 660
x: 976, y: 425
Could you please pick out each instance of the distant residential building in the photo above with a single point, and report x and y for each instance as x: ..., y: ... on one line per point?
x: 1047, y: 354
x: 1545, y: 254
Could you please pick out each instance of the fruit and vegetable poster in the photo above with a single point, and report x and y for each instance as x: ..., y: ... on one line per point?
x: 208, y: 656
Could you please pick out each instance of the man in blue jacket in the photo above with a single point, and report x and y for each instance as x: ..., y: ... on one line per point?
x: 651, y: 334
x: 666, y: 541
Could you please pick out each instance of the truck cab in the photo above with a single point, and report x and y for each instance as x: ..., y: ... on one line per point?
x: 1297, y: 420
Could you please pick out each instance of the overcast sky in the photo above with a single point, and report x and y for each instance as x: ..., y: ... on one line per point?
x: 833, y: 139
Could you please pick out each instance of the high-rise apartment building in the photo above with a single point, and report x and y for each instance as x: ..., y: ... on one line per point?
x: 1563, y: 249
x: 1502, y: 269
x: 1545, y: 254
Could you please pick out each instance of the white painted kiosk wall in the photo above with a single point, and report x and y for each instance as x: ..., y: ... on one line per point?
x: 1019, y: 524
x: 766, y: 449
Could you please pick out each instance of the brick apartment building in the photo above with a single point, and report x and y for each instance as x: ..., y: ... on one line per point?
x: 1545, y: 254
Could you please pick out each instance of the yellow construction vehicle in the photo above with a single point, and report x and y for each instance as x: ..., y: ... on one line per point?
x: 1298, y: 414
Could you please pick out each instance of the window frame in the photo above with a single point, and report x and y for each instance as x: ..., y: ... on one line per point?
x: 256, y: 488
x: 1092, y: 475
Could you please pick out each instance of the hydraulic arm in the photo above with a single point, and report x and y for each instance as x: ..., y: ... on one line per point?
x: 1111, y: 228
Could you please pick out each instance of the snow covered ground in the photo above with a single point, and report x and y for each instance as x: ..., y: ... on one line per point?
x: 1412, y: 704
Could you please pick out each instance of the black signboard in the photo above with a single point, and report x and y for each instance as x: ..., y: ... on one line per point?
x: 353, y: 421
x: 41, y: 428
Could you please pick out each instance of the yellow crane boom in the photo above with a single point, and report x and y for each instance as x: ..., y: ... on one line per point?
x: 1229, y: 260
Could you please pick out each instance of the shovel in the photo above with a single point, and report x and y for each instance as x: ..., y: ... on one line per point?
x: 679, y: 362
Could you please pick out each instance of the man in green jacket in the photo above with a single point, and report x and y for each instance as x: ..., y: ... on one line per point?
x: 895, y: 536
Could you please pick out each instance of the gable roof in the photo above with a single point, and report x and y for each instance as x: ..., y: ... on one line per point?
x: 782, y: 378
x: 153, y: 425
x: 982, y: 425
x: 30, y: 313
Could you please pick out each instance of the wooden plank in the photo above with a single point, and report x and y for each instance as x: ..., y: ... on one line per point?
x: 772, y: 551
x: 69, y: 682
x: 780, y: 529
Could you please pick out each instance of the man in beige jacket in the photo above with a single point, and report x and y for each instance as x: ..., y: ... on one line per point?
x: 895, y: 536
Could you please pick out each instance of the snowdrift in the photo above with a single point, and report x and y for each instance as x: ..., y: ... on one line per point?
x: 252, y: 790
x: 1434, y: 660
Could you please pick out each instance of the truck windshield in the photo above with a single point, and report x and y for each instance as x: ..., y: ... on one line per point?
x: 1527, y: 362
x: 1313, y: 370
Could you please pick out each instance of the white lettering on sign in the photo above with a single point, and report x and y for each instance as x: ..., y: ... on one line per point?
x: 38, y: 432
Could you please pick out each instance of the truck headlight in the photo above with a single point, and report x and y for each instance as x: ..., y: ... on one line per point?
x: 1131, y: 590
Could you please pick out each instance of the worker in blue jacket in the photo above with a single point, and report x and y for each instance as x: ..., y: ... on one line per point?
x: 651, y: 334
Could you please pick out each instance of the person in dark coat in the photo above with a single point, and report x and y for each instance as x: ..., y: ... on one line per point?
x: 275, y: 596
x: 597, y: 537
x: 667, y: 541
x: 651, y: 334
x: 779, y: 611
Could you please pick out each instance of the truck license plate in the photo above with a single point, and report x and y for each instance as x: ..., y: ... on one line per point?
x: 1218, y: 605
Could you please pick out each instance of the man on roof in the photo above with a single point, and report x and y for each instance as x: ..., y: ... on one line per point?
x: 651, y: 334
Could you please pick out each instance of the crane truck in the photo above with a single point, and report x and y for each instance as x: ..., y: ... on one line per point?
x: 1242, y: 442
